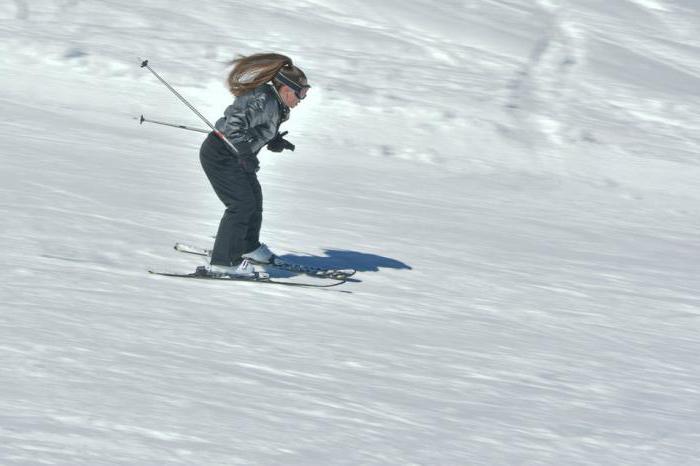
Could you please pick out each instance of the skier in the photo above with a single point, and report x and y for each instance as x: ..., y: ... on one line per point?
x: 266, y: 86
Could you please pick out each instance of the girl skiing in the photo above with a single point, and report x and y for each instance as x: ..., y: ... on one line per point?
x: 266, y: 86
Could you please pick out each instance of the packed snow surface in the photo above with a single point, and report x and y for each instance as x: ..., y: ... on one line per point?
x: 516, y: 182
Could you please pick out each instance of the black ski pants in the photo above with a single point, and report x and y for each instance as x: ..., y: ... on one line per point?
x: 239, y: 190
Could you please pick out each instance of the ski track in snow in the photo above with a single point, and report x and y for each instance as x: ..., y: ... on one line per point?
x: 515, y: 181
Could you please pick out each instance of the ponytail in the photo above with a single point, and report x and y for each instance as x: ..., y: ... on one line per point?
x: 254, y: 70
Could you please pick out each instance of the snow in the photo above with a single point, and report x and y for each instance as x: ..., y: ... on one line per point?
x: 515, y: 181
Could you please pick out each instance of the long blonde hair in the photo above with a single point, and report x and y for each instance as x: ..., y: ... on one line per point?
x: 254, y: 70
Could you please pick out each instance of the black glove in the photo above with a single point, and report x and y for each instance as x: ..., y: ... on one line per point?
x: 278, y: 143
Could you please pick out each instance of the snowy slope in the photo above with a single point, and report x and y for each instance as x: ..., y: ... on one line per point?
x: 515, y: 180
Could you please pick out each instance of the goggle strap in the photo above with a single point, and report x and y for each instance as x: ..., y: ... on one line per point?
x: 284, y: 79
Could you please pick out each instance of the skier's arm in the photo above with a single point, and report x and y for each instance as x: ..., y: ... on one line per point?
x: 249, y: 128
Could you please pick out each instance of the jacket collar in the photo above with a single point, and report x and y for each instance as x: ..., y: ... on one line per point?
x: 283, y: 107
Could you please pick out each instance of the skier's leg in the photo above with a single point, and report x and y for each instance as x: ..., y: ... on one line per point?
x: 230, y: 240
x: 234, y: 189
x: 252, y: 239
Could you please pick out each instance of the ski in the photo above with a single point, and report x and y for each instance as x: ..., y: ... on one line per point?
x: 260, y: 277
x: 278, y: 263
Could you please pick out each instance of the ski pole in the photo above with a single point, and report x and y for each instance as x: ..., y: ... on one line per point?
x: 221, y: 136
x: 199, y: 130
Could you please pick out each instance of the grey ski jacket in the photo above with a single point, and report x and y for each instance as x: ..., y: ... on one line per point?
x: 252, y: 121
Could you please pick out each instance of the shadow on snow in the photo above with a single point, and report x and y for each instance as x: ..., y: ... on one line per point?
x: 335, y: 259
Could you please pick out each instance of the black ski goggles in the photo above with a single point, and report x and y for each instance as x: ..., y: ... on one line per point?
x: 300, y: 90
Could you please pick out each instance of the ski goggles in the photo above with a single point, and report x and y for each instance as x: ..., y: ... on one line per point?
x: 300, y: 90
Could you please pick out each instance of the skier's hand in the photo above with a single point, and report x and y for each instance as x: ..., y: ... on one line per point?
x: 278, y: 143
